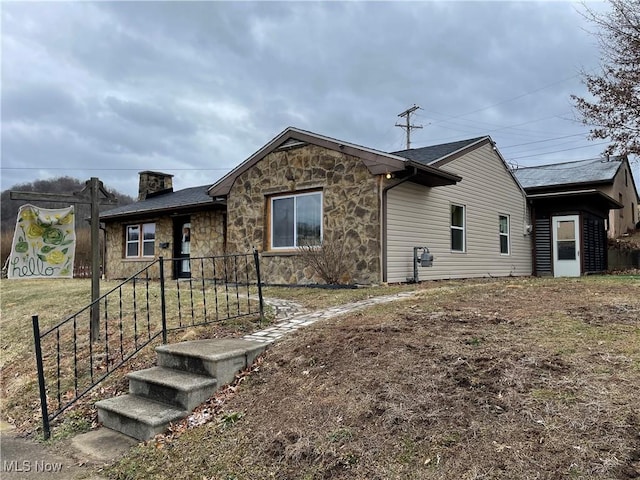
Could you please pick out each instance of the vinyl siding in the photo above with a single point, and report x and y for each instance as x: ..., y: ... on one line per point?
x: 624, y: 219
x: 420, y: 216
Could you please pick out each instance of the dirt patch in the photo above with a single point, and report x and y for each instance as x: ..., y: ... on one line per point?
x: 490, y: 379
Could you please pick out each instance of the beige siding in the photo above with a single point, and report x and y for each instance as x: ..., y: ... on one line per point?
x: 622, y: 220
x: 420, y: 216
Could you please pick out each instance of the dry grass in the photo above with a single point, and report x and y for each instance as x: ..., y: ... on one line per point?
x: 69, y: 349
x: 516, y: 378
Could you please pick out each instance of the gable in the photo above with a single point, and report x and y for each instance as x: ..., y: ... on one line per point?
x: 377, y: 162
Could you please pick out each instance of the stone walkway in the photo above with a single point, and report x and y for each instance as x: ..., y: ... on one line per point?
x: 294, y: 316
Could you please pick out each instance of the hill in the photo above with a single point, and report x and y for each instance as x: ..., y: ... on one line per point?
x: 9, y: 208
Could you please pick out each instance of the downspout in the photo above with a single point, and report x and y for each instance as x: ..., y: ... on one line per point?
x: 383, y: 222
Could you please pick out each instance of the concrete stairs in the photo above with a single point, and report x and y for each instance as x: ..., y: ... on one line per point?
x: 187, y: 374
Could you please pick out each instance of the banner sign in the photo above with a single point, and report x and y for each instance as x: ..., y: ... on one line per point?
x: 44, y: 243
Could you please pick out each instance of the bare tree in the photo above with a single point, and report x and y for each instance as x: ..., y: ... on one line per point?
x: 614, y: 111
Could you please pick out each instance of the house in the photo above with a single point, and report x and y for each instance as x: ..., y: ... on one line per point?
x: 458, y: 199
x: 181, y: 224
x: 612, y: 176
x: 573, y: 205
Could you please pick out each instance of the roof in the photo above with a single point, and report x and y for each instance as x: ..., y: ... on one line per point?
x: 185, y: 199
x: 435, y: 153
x: 376, y: 161
x: 568, y: 173
x: 592, y: 193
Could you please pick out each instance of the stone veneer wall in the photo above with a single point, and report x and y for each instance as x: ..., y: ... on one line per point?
x: 207, y: 238
x: 350, y: 204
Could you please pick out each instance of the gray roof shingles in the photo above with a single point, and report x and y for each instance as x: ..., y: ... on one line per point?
x: 433, y: 153
x: 185, y: 198
x: 568, y: 173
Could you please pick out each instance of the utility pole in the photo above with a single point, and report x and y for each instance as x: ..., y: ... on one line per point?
x: 95, y: 195
x: 407, y: 126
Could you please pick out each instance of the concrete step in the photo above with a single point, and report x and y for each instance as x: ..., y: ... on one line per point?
x: 180, y: 389
x: 218, y: 358
x: 174, y: 387
x: 136, y: 416
x: 188, y: 374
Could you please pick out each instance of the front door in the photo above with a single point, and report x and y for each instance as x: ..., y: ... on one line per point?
x: 182, y: 250
x: 566, y: 246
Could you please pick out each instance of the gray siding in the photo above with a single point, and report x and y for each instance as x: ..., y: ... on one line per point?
x: 420, y: 216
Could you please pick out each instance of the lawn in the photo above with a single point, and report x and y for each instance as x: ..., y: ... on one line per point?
x: 488, y: 378
x: 500, y: 379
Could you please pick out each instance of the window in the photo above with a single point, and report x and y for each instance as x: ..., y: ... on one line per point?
x: 457, y: 228
x: 622, y: 209
x: 138, y: 245
x: 296, y: 220
x: 504, y: 234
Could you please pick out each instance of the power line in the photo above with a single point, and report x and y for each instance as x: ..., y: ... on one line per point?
x: 558, y: 151
x: 541, y: 141
x: 514, y: 98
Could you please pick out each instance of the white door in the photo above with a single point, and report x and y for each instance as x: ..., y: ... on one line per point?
x: 566, y: 246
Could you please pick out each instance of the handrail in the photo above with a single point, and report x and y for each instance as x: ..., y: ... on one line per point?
x: 129, y: 324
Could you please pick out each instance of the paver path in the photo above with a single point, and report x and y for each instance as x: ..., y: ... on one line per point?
x: 303, y: 318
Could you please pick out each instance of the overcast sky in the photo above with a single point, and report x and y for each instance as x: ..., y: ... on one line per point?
x: 108, y: 89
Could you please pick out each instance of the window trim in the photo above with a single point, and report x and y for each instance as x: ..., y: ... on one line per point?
x: 295, y: 196
x: 140, y: 242
x: 507, y: 235
x: 453, y: 227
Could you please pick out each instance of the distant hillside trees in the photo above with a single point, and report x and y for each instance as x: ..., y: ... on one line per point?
x: 9, y: 212
x: 9, y: 208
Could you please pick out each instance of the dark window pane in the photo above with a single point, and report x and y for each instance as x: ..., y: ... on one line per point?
x: 457, y: 216
x: 308, y: 213
x: 504, y: 224
x: 457, y: 240
x: 147, y: 249
x: 504, y: 244
x: 567, y: 250
x: 132, y: 249
x: 283, y: 218
x: 133, y: 233
x: 149, y: 231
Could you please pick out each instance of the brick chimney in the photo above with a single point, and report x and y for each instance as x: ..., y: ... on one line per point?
x: 154, y: 183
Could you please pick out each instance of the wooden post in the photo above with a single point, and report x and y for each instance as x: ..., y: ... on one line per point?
x: 95, y: 258
x: 94, y: 194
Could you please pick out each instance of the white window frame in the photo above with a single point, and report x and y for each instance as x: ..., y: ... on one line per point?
x: 295, y: 196
x: 462, y: 228
x: 140, y: 242
x: 502, y: 234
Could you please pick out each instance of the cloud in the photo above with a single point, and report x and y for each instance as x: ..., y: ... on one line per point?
x: 193, y: 88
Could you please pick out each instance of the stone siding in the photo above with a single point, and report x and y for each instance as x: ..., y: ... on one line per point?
x: 207, y: 239
x: 351, y: 210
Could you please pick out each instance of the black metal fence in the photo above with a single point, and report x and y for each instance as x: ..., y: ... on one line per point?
x: 139, y: 311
